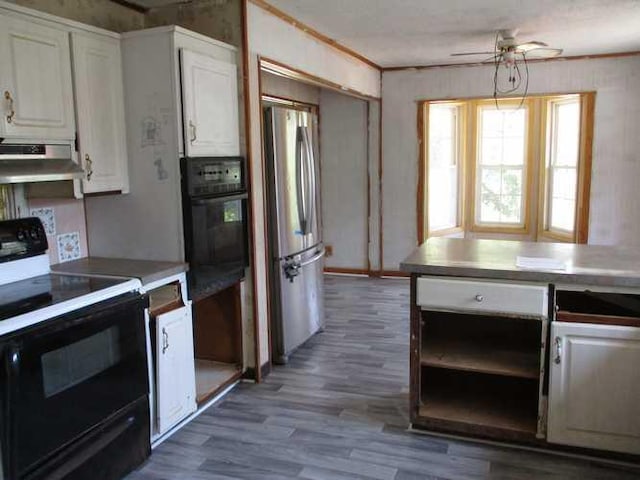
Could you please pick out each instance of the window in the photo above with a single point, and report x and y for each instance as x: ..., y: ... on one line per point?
x: 508, y: 167
x: 501, y: 166
x: 444, y: 167
x: 561, y: 166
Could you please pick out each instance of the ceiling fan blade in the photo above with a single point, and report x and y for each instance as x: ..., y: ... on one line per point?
x: 526, y: 46
x: 492, y: 58
x: 543, y: 52
x: 472, y: 53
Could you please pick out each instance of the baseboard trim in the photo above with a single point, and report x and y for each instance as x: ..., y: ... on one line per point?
x: 347, y: 271
x: 394, y: 273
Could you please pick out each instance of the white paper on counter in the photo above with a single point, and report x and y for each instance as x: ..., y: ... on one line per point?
x: 542, y: 263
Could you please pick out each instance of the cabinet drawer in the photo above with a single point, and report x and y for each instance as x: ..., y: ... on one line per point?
x: 455, y: 294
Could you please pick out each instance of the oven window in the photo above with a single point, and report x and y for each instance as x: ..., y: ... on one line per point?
x: 70, y: 365
x: 219, y: 233
x: 232, y: 212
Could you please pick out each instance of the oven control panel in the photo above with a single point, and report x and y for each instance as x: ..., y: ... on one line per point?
x: 213, y: 176
x: 22, y: 237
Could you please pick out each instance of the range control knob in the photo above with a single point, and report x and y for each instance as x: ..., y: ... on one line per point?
x: 33, y: 233
x: 20, y: 235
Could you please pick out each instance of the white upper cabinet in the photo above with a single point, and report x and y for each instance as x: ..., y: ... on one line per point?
x: 210, y: 105
x: 594, y: 394
x: 35, y: 81
x: 102, y: 148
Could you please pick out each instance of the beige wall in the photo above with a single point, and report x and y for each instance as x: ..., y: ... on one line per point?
x: 344, y: 156
x: 99, y: 13
x: 289, y: 89
x: 219, y: 19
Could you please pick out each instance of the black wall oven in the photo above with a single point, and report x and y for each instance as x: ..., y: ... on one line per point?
x: 75, y: 394
x: 215, y: 212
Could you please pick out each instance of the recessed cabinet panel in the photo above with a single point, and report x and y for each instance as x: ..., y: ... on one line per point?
x: 210, y: 105
x: 595, y: 386
x: 35, y: 81
x: 100, y: 111
x: 174, y: 367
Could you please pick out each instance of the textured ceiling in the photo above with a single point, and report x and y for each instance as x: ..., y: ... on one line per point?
x: 426, y: 32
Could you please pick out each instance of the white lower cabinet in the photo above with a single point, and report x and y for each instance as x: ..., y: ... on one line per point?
x: 594, y: 394
x: 174, y: 367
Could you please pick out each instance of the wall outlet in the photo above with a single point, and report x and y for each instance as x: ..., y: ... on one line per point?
x: 328, y: 250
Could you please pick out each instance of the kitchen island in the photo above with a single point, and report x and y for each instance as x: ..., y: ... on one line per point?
x: 536, y: 343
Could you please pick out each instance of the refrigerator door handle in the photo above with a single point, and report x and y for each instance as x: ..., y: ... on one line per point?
x: 300, y: 194
x: 292, y: 265
x: 311, y: 178
x: 319, y: 254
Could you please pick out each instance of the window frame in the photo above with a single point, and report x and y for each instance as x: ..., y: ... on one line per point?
x: 580, y: 231
x: 424, y: 230
x: 535, y: 177
x: 525, y: 227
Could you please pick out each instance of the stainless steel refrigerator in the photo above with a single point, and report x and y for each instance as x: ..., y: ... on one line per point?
x: 294, y: 225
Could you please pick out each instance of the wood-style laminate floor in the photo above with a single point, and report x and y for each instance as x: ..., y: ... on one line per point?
x: 338, y: 410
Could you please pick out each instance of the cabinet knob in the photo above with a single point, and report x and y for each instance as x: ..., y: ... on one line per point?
x: 89, y: 163
x: 479, y: 298
x: 9, y: 99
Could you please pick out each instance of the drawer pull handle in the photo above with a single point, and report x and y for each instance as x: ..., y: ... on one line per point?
x: 479, y: 298
x: 165, y: 341
x: 558, y: 358
x: 12, y: 112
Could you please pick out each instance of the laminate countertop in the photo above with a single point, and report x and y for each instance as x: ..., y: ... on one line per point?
x: 583, y: 264
x: 147, y: 271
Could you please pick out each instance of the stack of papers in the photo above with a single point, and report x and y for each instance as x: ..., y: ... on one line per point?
x: 540, y: 263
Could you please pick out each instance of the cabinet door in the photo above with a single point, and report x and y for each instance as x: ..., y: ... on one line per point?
x: 35, y: 81
x: 97, y: 71
x: 594, y: 397
x: 210, y: 105
x: 175, y: 369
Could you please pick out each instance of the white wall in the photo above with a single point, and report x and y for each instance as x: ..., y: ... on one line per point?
x: 615, y: 196
x: 343, y: 162
x: 289, y: 89
x: 271, y: 37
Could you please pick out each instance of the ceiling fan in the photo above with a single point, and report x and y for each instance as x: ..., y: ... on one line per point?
x: 510, y: 53
x: 508, y: 48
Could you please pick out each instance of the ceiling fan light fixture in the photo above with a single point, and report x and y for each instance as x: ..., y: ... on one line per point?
x: 528, y: 46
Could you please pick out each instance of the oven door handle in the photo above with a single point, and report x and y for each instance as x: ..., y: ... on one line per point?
x: 212, y: 200
x: 12, y: 359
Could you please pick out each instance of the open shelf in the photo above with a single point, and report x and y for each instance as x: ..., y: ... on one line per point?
x: 479, y: 412
x: 476, y: 357
x: 212, y: 377
x: 479, y: 403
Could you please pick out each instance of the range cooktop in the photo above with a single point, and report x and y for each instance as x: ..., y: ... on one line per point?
x: 35, y: 293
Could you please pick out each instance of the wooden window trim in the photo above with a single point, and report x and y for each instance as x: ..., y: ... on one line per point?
x: 587, y: 110
x: 580, y: 232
